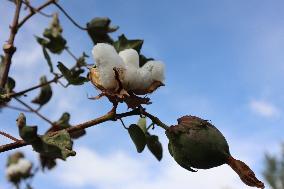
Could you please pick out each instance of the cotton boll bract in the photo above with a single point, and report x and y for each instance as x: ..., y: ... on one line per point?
x: 106, y: 59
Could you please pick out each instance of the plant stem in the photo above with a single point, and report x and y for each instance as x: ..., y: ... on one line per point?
x: 68, y: 16
x: 9, y: 136
x: 55, y: 79
x: 33, y: 110
x: 32, y: 9
x: 110, y: 116
x: 34, y: 12
x: 9, y: 48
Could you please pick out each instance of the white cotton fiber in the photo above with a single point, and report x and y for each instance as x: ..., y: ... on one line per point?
x: 106, y: 59
x: 130, y: 58
x: 22, y: 167
x: 134, y: 77
x: 157, y: 69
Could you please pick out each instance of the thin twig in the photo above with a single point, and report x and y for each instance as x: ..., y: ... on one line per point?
x: 55, y: 79
x: 68, y: 16
x: 17, y: 108
x: 32, y: 9
x: 110, y: 116
x: 33, y: 110
x: 71, y: 54
x: 155, y: 120
x: 36, y: 10
x: 9, y: 48
x: 9, y: 136
x: 123, y: 123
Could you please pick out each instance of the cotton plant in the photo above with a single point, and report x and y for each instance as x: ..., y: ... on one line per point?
x: 132, y: 77
x: 123, y: 75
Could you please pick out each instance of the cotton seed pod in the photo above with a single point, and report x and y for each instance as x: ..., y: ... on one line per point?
x: 196, y: 143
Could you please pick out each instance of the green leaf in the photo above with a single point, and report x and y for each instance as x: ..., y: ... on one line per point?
x: 10, y: 85
x: 82, y: 60
x: 52, y: 145
x: 58, y: 145
x: 143, y: 59
x: 45, y: 93
x: 138, y: 137
x: 47, y: 163
x: 154, y: 146
x: 72, y: 76
x: 123, y: 43
x: 63, y: 123
x: 142, y: 124
x: 48, y: 59
x: 53, y: 40
x: 98, y: 29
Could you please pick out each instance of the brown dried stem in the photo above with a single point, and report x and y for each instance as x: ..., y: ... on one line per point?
x: 33, y: 110
x: 9, y: 136
x: 110, y: 116
x: 36, y: 10
x: 9, y: 48
x: 68, y: 16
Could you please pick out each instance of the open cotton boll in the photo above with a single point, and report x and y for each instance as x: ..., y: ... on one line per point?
x: 157, y: 69
x: 130, y: 58
x: 106, y: 59
x: 11, y: 170
x: 24, y: 166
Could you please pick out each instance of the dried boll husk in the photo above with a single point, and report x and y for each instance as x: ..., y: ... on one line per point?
x: 196, y: 143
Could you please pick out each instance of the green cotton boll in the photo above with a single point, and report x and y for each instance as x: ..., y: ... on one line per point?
x: 196, y: 143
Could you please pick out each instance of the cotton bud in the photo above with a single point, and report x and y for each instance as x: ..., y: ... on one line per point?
x: 196, y: 143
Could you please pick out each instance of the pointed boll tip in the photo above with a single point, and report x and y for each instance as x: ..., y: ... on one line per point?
x: 245, y: 173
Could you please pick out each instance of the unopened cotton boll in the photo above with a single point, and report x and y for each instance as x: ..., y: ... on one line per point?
x: 106, y: 59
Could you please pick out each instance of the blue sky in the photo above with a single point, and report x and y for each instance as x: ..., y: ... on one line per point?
x: 224, y: 62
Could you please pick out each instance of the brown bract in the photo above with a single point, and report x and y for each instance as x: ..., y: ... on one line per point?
x: 119, y: 94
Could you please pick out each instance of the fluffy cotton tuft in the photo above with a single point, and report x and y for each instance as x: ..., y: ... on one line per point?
x: 106, y: 59
x: 134, y: 77
x: 22, y: 167
x: 130, y: 58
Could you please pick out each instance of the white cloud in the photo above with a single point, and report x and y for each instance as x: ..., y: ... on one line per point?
x: 264, y: 108
x: 90, y: 169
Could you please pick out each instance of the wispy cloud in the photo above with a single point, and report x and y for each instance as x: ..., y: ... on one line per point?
x: 91, y: 169
x: 264, y: 108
